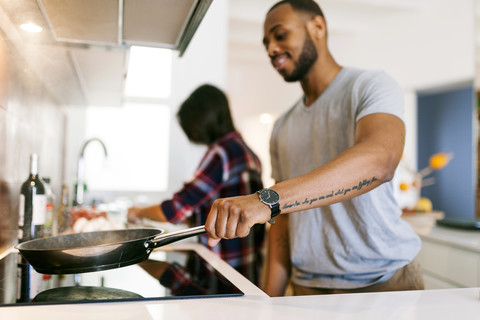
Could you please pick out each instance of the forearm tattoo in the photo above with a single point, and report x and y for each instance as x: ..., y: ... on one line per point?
x: 339, y: 192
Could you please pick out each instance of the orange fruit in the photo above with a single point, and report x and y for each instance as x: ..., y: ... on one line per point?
x: 424, y: 205
x: 404, y: 186
x: 439, y: 160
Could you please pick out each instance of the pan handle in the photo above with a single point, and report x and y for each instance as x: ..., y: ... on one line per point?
x: 170, y: 237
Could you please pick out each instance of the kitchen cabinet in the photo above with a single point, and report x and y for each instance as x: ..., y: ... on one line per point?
x: 450, y: 257
x: 447, y: 266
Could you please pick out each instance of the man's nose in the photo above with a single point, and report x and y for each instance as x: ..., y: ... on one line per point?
x: 272, y: 49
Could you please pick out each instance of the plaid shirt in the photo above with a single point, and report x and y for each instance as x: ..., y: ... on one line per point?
x: 229, y: 168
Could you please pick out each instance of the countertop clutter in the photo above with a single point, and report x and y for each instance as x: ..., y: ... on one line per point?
x: 463, y: 303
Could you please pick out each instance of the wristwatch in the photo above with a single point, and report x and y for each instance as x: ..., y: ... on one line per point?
x: 270, y: 198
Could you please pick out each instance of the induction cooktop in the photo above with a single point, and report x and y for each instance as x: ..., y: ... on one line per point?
x: 177, y: 274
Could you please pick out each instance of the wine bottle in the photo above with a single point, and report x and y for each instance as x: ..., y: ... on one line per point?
x: 33, y: 203
x: 32, y: 211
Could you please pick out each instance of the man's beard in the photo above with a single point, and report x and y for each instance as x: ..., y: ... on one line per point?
x: 307, y: 58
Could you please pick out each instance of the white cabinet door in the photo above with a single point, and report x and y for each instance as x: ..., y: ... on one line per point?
x: 449, y: 266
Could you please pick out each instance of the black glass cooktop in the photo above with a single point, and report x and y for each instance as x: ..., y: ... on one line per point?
x: 165, y: 275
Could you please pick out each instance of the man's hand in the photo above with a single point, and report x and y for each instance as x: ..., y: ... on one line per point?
x: 233, y: 217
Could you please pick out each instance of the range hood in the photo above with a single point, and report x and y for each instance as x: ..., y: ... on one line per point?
x: 82, y: 55
x: 155, y: 23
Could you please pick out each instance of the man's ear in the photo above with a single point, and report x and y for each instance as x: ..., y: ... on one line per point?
x: 317, y: 27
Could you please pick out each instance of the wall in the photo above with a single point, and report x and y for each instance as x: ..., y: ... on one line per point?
x: 445, y: 125
x: 30, y: 122
x: 205, y: 61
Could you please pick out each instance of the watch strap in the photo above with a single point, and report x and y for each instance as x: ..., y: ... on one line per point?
x: 275, y: 212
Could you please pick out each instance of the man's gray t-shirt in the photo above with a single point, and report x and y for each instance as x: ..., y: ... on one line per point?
x: 357, y: 242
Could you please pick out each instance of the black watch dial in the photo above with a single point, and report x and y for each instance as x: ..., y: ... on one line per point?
x: 269, y: 196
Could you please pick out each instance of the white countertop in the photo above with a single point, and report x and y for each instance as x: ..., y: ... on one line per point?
x: 449, y: 304
x: 425, y: 226
x: 445, y: 304
x: 464, y: 239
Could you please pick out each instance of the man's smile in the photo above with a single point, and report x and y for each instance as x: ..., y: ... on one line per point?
x: 279, y: 60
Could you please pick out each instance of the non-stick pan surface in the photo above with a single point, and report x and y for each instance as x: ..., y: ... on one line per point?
x: 94, y: 251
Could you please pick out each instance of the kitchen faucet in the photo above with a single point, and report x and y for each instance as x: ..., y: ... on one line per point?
x: 81, y: 170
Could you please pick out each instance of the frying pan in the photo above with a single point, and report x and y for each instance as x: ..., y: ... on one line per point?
x: 100, y: 250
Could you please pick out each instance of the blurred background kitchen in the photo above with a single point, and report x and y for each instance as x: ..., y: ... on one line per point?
x: 97, y: 99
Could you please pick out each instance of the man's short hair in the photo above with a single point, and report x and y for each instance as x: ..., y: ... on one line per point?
x: 305, y: 6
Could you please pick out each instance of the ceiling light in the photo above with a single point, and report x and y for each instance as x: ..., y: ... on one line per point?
x: 266, y: 118
x: 31, y: 27
x: 149, y: 73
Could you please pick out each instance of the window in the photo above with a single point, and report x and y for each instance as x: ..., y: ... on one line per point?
x: 137, y: 135
x: 137, y: 141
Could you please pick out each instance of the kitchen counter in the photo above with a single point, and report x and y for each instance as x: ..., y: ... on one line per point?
x: 429, y: 304
x: 255, y: 304
x: 425, y: 226
x: 463, y: 239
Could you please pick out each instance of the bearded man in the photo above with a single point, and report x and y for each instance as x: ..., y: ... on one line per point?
x: 334, y: 154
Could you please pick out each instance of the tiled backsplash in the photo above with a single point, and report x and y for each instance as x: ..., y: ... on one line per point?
x: 30, y: 122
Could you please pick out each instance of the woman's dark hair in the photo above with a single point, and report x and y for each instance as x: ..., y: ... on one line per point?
x: 205, y: 115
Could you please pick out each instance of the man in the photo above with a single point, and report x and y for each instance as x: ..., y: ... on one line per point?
x: 334, y: 153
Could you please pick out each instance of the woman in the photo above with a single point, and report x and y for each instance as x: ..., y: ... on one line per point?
x: 229, y: 168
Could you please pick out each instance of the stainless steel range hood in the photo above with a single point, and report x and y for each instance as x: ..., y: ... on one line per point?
x: 156, y: 23
x: 82, y: 54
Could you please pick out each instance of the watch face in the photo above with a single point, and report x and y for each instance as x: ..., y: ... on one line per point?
x: 269, y: 196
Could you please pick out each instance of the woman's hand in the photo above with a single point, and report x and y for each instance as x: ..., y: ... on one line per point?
x: 153, y: 213
x: 133, y: 214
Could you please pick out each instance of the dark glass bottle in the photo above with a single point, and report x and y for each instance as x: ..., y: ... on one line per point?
x: 32, y: 212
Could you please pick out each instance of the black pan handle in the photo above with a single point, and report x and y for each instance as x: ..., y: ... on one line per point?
x: 170, y: 237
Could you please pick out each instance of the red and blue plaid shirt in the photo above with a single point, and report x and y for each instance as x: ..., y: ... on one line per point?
x: 229, y: 168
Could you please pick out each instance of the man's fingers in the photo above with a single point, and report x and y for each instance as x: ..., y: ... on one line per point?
x: 210, y: 225
x: 223, y: 212
x: 213, y: 242
x: 231, y: 218
x: 211, y: 222
x: 243, y: 228
x: 233, y: 221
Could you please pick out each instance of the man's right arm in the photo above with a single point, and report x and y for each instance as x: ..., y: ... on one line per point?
x: 371, y: 161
